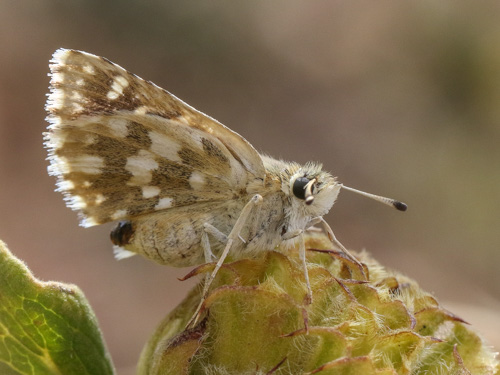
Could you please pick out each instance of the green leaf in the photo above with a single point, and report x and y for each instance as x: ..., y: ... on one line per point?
x: 46, y: 328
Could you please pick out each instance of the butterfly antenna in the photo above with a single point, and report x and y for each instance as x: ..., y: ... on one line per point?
x: 388, y: 201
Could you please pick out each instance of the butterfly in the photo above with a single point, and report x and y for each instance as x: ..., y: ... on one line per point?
x: 184, y: 189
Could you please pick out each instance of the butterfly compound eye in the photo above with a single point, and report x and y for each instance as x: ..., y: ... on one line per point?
x: 299, y: 187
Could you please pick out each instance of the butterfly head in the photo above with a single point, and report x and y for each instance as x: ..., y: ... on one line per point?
x: 312, y: 190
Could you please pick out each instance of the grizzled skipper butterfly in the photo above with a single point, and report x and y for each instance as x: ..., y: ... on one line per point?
x: 184, y: 188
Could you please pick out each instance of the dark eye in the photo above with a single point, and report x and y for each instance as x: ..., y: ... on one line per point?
x: 299, y: 187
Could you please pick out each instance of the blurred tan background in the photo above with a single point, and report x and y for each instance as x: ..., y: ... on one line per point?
x: 396, y: 98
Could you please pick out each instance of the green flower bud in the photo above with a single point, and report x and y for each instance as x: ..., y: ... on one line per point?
x: 254, y: 321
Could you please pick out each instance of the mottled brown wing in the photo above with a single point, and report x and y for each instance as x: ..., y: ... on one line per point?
x: 121, y: 146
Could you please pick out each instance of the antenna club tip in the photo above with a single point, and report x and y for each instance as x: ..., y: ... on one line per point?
x: 400, y: 206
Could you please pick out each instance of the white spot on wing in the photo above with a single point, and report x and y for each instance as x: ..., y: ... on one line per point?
x: 64, y: 185
x: 164, y: 146
x: 56, y: 140
x: 55, y: 122
x: 150, y: 191
x: 88, y: 222
x: 77, y: 107
x: 89, y: 139
x: 58, y: 166
x: 164, y: 203
x: 118, y: 127
x: 112, y: 95
x: 56, y: 100
x: 119, y: 84
x: 119, y: 214
x: 89, y: 164
x: 60, y: 56
x: 76, y: 203
x: 75, y: 95
x: 197, y: 180
x: 120, y: 81
x: 99, y: 198
x: 57, y: 77
x: 89, y: 69
x: 141, y: 166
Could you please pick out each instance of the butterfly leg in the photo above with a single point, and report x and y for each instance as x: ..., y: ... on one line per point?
x: 302, y: 255
x: 337, y: 243
x: 238, y: 226
x: 205, y: 243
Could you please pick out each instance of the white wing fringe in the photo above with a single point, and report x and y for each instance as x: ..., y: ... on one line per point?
x: 120, y: 253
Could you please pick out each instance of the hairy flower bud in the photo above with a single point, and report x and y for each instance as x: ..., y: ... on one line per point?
x: 255, y: 321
